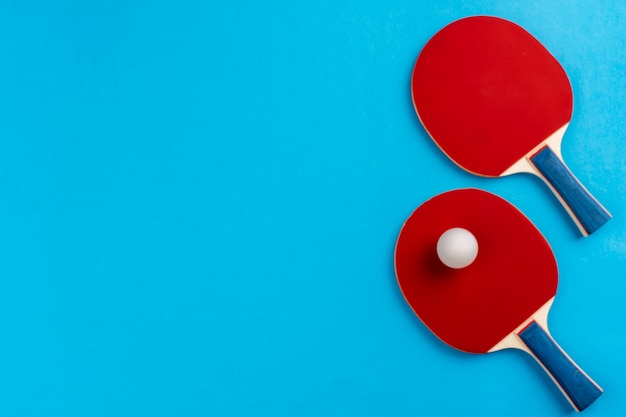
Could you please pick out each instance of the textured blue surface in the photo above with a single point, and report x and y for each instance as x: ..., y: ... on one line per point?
x: 200, y: 201
x: 578, y: 387
x: 587, y: 211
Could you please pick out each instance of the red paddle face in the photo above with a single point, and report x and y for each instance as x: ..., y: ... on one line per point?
x: 474, y: 308
x: 488, y: 93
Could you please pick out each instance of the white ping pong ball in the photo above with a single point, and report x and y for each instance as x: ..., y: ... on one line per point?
x: 457, y: 248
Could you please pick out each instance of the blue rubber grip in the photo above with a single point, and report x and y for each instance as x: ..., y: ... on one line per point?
x: 580, y: 389
x: 589, y: 213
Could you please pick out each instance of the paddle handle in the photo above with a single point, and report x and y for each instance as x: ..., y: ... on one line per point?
x: 586, y: 211
x: 574, y: 383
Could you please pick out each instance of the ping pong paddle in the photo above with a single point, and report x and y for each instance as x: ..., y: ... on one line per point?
x: 501, y: 299
x: 497, y: 103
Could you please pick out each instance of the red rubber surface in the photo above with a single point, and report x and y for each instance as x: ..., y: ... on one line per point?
x: 488, y: 92
x: 473, y: 308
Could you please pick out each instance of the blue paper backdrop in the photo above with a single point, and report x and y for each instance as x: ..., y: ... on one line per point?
x: 199, y: 203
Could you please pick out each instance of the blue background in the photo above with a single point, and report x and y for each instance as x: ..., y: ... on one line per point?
x: 199, y: 203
